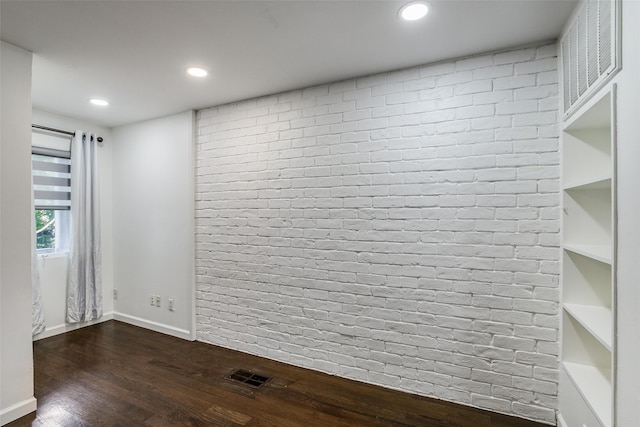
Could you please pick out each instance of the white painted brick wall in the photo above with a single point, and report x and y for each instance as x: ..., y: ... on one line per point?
x: 399, y: 229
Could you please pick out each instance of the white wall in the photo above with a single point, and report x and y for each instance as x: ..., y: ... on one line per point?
x: 399, y: 229
x: 53, y: 267
x: 153, y: 199
x: 628, y: 177
x: 16, y: 354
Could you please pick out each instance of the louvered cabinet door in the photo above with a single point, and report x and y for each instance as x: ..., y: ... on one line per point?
x: 589, y: 51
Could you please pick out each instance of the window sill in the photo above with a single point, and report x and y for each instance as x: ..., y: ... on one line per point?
x: 53, y: 255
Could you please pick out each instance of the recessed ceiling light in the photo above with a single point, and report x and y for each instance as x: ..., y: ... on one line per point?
x: 197, y: 72
x: 99, y: 102
x: 413, y: 11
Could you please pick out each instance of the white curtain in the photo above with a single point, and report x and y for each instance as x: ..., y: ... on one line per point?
x: 84, y: 287
x: 37, y: 314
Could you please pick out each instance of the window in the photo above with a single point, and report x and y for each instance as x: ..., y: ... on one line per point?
x: 51, y: 169
x: 52, y: 230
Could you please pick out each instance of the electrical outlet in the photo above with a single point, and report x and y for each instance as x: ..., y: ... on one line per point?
x: 158, y: 301
x: 171, y: 305
x: 115, y: 294
x: 152, y: 300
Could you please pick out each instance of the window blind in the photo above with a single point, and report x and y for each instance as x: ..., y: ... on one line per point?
x: 51, y: 178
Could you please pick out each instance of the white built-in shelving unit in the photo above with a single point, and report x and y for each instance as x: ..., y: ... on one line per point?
x: 589, y: 60
x: 586, y: 396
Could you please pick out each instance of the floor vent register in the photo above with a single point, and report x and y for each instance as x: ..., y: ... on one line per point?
x: 249, y: 378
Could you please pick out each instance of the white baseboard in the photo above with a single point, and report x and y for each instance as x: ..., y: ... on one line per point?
x: 155, y: 326
x: 18, y: 410
x: 51, y: 331
x: 561, y: 422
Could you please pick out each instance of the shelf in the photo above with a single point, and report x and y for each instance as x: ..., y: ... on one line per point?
x: 587, y: 217
x: 586, y: 281
x: 596, y: 183
x: 594, y: 116
x: 587, y: 145
x: 602, y: 253
x: 595, y: 387
x: 586, y: 154
x: 596, y: 320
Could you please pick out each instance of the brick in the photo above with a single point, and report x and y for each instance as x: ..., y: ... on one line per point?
x: 538, y: 66
x: 535, y: 92
x: 515, y: 82
x: 475, y: 86
x: 514, y: 56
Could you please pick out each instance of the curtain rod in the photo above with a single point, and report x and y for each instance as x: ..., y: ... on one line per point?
x: 64, y: 132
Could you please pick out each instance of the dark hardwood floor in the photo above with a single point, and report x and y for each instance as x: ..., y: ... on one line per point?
x: 114, y: 374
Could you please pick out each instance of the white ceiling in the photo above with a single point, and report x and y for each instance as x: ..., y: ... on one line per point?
x: 133, y: 53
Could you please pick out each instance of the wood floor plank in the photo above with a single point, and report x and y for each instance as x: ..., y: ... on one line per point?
x: 114, y: 374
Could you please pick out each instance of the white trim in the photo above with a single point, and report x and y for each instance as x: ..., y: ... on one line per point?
x: 192, y: 285
x: 154, y: 326
x: 51, y: 331
x: 18, y: 410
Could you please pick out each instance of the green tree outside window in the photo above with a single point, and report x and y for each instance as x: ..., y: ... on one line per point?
x: 45, y: 229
